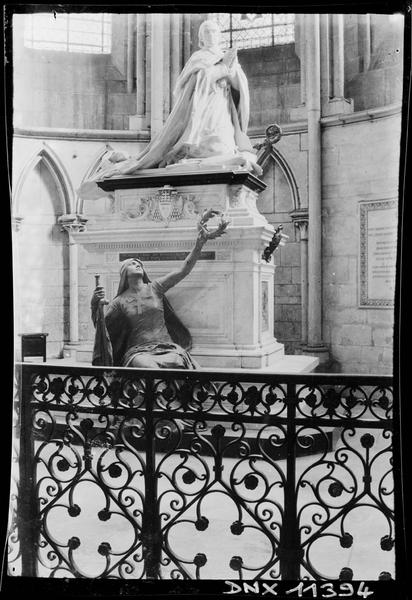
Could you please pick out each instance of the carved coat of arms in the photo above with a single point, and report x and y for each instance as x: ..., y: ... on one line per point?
x: 166, y: 205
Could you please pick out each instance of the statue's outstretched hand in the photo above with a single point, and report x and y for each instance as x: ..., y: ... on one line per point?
x: 204, y: 233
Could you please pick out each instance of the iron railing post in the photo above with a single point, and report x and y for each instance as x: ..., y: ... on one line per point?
x: 151, y: 537
x: 290, y: 550
x: 27, y: 518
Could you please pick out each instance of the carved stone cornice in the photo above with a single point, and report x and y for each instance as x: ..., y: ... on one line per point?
x: 300, y: 218
x: 72, y: 223
x: 157, y: 177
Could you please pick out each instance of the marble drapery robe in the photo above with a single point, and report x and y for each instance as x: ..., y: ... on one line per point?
x: 208, y: 123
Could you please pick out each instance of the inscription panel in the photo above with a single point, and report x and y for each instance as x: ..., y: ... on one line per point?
x: 378, y: 243
x: 157, y: 256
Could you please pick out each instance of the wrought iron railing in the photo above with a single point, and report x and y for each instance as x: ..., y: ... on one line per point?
x: 132, y: 474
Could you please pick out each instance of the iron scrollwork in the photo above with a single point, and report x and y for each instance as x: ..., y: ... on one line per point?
x: 127, y: 468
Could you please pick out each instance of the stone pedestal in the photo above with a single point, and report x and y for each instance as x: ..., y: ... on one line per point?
x: 227, y: 300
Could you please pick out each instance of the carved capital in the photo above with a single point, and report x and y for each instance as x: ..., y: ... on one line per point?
x: 16, y: 222
x: 300, y: 219
x: 72, y: 223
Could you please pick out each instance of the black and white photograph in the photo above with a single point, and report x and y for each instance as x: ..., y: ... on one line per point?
x: 206, y: 220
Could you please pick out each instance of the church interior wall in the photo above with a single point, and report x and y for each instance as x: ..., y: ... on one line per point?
x: 373, y: 78
x: 276, y: 202
x: 360, y: 162
x: 88, y: 92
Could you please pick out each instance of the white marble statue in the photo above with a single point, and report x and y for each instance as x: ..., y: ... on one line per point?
x: 207, y: 126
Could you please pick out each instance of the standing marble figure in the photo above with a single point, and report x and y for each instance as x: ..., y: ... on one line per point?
x: 207, y: 126
x: 140, y: 328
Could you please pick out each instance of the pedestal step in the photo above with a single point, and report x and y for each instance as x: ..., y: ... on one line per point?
x: 279, y: 362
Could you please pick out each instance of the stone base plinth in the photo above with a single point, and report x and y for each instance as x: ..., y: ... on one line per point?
x: 278, y: 362
x: 226, y: 302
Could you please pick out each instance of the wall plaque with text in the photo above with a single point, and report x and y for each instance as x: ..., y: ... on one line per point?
x: 378, y: 243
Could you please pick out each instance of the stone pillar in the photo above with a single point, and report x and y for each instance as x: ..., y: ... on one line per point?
x: 365, y: 41
x: 186, y: 38
x: 313, y: 102
x: 139, y: 120
x: 175, y: 52
x: 73, y: 224
x: 166, y: 66
x: 300, y: 29
x: 300, y: 219
x: 338, y: 56
x: 298, y: 113
x: 160, y: 60
x: 325, y: 87
x: 333, y: 66
x: 130, y: 51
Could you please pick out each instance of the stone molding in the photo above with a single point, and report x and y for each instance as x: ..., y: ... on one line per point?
x: 364, y: 115
x: 72, y: 223
x: 147, y: 178
x: 178, y: 237
x: 88, y: 134
x: 300, y: 218
x: 254, y: 132
x: 17, y: 222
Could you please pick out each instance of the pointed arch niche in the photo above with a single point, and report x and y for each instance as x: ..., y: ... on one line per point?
x: 278, y: 202
x: 42, y: 194
x: 93, y: 206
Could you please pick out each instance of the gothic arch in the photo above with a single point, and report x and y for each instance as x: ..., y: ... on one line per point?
x: 94, y: 165
x: 268, y: 154
x: 52, y: 162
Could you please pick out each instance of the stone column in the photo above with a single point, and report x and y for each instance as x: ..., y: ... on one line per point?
x: 333, y: 66
x: 186, y: 38
x: 325, y: 87
x: 160, y: 57
x: 301, y: 220
x: 298, y: 113
x: 175, y: 52
x: 365, y: 41
x: 338, y: 56
x: 313, y: 103
x: 130, y: 52
x: 139, y: 120
x: 299, y: 28
x: 73, y: 224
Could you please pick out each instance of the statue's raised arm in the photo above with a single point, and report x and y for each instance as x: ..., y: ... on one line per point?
x: 139, y: 327
x: 208, y: 124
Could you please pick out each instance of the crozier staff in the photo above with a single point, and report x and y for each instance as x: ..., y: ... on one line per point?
x: 140, y: 328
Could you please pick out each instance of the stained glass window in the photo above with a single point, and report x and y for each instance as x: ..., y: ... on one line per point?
x: 69, y: 32
x: 251, y: 30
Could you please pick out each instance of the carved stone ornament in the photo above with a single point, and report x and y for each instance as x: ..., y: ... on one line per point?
x: 165, y: 206
x: 17, y: 222
x: 72, y: 223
